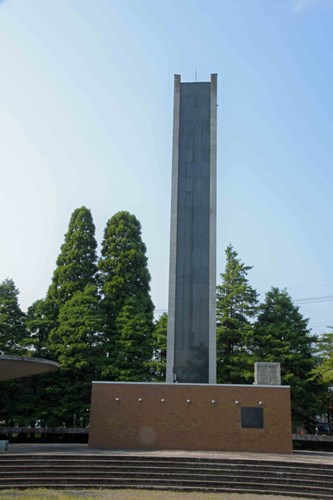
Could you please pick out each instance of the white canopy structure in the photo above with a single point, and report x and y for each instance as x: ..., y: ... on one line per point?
x: 12, y: 367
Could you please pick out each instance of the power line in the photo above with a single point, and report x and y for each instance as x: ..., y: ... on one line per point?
x: 313, y: 300
x: 317, y: 325
x: 309, y: 286
x: 302, y: 301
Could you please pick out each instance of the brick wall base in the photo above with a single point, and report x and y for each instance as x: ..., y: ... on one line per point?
x: 148, y: 416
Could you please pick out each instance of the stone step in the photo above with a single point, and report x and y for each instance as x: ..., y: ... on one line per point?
x: 98, y: 471
x: 302, y: 472
x: 157, y: 468
x: 193, y: 461
x: 262, y: 465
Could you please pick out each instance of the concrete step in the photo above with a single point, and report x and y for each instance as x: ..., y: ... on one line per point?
x: 89, y: 471
x: 184, y: 463
x: 273, y: 477
x: 301, y: 473
x: 192, y: 461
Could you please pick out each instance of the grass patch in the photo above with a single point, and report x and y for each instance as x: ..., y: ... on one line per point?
x: 47, y: 494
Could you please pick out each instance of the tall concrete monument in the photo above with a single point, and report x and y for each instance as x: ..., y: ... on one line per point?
x: 195, y: 413
x: 191, y: 349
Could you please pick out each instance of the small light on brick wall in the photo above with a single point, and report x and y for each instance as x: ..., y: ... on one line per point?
x: 140, y: 400
x: 236, y: 402
x: 162, y: 400
x: 117, y: 399
x: 259, y: 402
x: 213, y: 401
x: 188, y: 401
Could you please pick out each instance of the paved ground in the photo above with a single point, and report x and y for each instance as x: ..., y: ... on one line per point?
x: 82, y: 449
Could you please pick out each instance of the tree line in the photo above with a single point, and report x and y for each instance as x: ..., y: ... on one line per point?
x: 97, y: 321
x: 273, y: 331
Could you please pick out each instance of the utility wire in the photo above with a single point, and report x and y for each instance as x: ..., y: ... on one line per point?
x: 305, y: 300
x: 312, y: 300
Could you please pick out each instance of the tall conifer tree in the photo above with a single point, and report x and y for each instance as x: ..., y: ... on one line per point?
x: 76, y: 263
x: 13, y: 334
x: 158, y: 363
x: 325, y: 352
x: 15, y: 396
x: 281, y: 334
x: 65, y: 322
x: 133, y: 341
x: 77, y: 345
x: 41, y: 319
x: 236, y: 307
x: 324, y: 371
x: 125, y: 284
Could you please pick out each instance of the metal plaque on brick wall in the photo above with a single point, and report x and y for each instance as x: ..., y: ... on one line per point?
x: 267, y: 374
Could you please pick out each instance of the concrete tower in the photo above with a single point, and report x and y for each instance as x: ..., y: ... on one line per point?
x: 191, y: 355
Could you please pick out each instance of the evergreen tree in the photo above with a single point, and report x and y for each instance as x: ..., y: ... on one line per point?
x: 15, y: 396
x: 23, y: 400
x: 13, y: 335
x: 17, y: 402
x: 325, y: 352
x: 158, y: 363
x: 78, y: 338
x: 236, y: 307
x: 76, y: 263
x: 133, y: 343
x: 123, y: 265
x: 124, y: 275
x: 281, y: 334
x: 59, y: 325
x: 324, y: 370
x: 77, y: 345
x: 41, y: 319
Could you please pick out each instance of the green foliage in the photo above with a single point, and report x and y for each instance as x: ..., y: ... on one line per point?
x: 41, y: 319
x: 158, y: 363
x: 77, y: 345
x: 133, y: 344
x: 325, y: 352
x: 22, y: 400
x: 123, y: 264
x: 13, y: 334
x: 324, y: 370
x: 17, y: 402
x: 125, y: 285
x: 78, y: 338
x: 76, y: 263
x: 281, y: 334
x: 66, y: 399
x: 67, y: 325
x: 89, y: 336
x: 236, y: 305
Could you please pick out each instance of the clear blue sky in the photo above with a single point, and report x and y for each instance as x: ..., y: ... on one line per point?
x: 86, y: 90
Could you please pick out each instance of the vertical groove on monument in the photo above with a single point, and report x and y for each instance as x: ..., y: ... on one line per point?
x: 192, y: 281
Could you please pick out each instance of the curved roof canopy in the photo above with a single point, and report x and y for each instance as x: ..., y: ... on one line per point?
x: 17, y: 366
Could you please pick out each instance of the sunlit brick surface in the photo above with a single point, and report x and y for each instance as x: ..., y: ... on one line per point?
x: 188, y: 417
